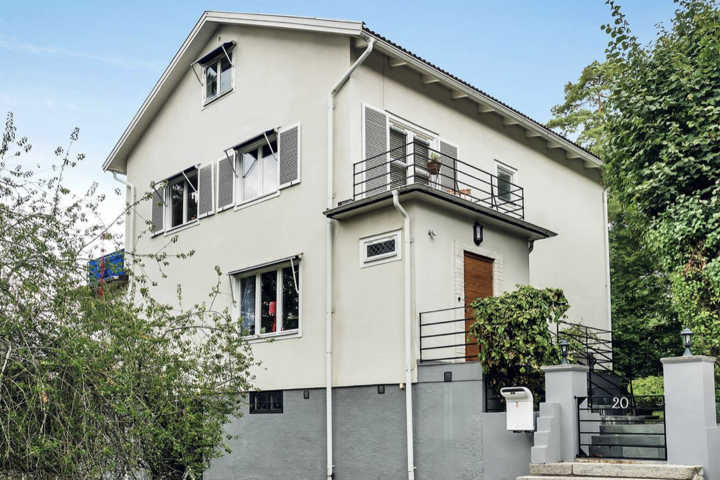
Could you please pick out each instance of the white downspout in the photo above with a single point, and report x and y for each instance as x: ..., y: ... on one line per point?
x: 130, y: 244
x: 329, y: 260
x: 408, y: 338
x: 607, y: 258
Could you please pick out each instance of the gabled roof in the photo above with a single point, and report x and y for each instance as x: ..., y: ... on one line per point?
x: 210, y: 21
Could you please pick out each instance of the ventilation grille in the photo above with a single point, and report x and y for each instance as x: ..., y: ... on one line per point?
x: 381, y: 248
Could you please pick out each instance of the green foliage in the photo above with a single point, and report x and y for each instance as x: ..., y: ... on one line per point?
x: 513, y: 335
x: 645, y: 326
x: 583, y: 112
x: 662, y: 155
x: 111, y: 385
x: 652, y: 385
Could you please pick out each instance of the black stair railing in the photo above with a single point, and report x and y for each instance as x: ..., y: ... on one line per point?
x: 593, y: 347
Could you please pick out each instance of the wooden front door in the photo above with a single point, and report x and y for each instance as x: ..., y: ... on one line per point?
x: 478, y: 284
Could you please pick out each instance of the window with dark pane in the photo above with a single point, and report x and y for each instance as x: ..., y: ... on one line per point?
x: 505, y: 179
x: 381, y: 248
x: 247, y: 304
x: 290, y: 298
x: 266, y: 402
x: 183, y: 190
x: 268, y: 302
x: 422, y: 156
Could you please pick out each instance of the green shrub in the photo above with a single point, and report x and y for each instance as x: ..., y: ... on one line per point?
x: 513, y: 335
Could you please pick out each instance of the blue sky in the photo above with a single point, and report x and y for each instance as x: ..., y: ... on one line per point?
x: 91, y: 64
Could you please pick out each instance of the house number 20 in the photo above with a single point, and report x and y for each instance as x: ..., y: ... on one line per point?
x: 621, y: 402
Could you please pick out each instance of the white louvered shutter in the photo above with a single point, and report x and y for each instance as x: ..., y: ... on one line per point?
x: 205, y: 191
x: 158, y: 210
x: 225, y: 183
x: 289, y: 153
x: 448, y: 170
x: 376, y: 167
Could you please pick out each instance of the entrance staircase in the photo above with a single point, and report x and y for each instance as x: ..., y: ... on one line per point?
x: 614, y: 423
x: 593, y: 470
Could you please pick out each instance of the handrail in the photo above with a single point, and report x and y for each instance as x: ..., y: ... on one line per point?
x: 404, y: 165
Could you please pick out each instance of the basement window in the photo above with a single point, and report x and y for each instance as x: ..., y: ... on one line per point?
x: 266, y: 402
x: 380, y: 249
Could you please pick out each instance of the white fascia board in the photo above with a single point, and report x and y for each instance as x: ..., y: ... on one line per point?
x: 199, y: 36
x: 512, y: 116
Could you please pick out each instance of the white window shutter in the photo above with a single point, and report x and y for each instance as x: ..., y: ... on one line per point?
x: 158, y: 210
x: 375, y: 142
x: 289, y: 156
x: 226, y: 183
x: 205, y: 191
x: 448, y: 170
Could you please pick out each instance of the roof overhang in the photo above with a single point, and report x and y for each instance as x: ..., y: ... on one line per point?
x: 444, y: 200
x: 210, y: 21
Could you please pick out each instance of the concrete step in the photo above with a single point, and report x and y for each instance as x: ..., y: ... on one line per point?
x: 601, y: 470
x: 625, y: 440
x: 644, y: 453
x: 573, y: 477
x: 656, y: 428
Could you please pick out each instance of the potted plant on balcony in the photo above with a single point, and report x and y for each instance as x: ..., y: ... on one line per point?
x: 434, y: 164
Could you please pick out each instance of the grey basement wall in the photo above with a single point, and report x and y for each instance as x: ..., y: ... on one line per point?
x: 454, y: 439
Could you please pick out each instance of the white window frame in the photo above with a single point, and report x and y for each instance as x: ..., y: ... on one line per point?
x: 186, y: 194
x: 412, y: 131
x: 278, y: 267
x: 239, y: 182
x: 506, y: 169
x: 366, y: 261
x: 216, y: 61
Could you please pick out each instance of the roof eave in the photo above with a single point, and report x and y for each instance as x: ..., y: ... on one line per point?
x: 533, y: 129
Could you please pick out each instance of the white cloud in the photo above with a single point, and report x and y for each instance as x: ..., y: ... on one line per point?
x: 13, y: 45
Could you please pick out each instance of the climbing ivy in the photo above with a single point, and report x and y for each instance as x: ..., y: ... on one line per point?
x: 513, y: 335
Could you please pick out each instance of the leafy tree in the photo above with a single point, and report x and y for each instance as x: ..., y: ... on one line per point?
x: 585, y: 106
x: 663, y: 155
x: 101, y: 383
x: 513, y: 335
x: 644, y: 324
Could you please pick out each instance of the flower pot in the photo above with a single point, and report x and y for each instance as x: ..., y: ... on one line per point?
x: 433, y: 167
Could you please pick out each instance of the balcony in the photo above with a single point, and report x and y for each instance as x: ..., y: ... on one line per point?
x: 418, y: 164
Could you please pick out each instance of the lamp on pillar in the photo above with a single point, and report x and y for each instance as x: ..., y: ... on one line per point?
x: 563, y: 351
x: 687, y: 337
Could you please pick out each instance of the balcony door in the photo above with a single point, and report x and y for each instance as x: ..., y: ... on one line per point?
x: 478, y: 284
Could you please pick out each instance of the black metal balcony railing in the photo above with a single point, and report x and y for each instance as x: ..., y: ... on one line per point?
x: 416, y: 163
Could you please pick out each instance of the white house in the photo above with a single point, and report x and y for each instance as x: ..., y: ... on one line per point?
x: 299, y: 155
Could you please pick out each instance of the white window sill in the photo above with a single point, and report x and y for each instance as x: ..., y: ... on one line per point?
x: 277, y: 336
x: 182, y: 227
x: 256, y: 200
x: 215, y: 99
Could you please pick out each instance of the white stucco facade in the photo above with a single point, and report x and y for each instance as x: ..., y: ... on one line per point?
x: 281, y: 78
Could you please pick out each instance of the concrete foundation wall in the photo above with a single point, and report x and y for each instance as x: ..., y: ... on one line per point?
x: 453, y: 437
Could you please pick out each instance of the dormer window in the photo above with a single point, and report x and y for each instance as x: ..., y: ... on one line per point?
x: 218, y: 76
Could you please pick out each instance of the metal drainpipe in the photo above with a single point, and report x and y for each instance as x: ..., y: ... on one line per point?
x: 408, y: 338
x: 329, y: 260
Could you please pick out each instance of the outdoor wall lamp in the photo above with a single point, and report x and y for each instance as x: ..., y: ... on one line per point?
x: 564, y: 345
x: 687, y: 337
x: 477, y: 233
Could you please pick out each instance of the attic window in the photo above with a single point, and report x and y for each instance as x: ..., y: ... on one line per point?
x: 218, y: 72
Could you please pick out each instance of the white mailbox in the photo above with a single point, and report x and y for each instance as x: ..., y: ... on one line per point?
x: 519, y: 406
